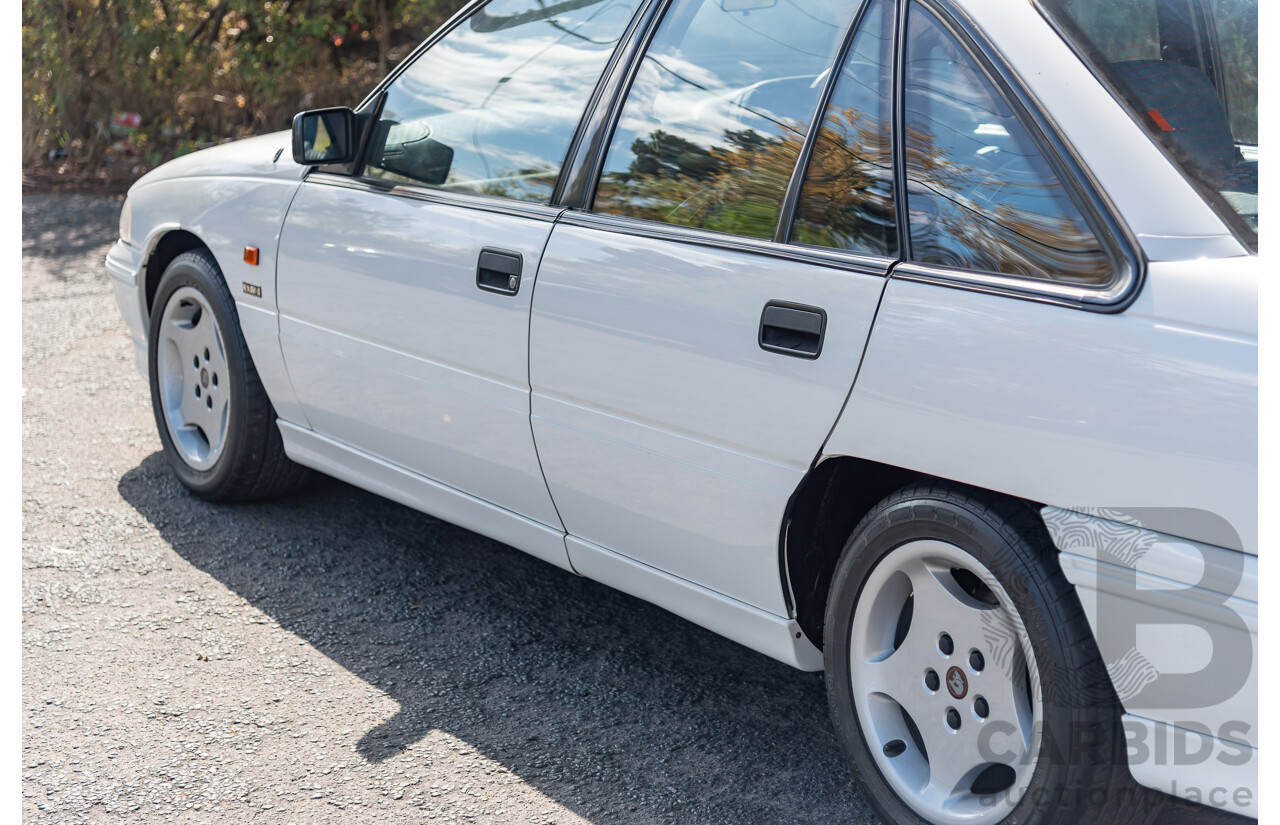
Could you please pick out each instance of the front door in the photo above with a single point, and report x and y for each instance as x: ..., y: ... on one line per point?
x: 404, y: 291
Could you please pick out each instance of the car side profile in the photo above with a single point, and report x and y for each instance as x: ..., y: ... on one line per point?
x: 912, y: 341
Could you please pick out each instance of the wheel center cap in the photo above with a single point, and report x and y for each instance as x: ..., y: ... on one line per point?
x: 204, y: 378
x: 957, y: 683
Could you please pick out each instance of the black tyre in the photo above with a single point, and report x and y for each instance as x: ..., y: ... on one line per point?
x: 962, y: 675
x: 216, y: 423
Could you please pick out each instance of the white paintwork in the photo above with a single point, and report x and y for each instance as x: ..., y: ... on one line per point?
x: 666, y: 433
x: 772, y: 635
x: 398, y: 484
x: 254, y: 157
x: 393, y: 349
x: 1153, y: 407
x: 1224, y: 774
x: 1192, y: 658
x: 124, y: 262
x: 230, y: 197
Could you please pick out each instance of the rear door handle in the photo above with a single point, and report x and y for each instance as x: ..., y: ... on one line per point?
x: 499, y: 271
x: 792, y: 329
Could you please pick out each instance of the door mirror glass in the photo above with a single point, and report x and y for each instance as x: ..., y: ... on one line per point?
x: 324, y: 136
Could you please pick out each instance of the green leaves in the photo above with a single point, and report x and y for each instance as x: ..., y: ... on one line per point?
x: 203, y: 70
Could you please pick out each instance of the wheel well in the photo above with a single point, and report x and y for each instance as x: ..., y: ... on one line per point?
x: 170, y: 246
x: 825, y: 508
x: 823, y: 512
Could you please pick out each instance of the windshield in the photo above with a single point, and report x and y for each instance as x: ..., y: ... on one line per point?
x: 1188, y: 70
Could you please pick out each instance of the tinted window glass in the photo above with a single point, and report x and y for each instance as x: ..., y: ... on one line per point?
x: 717, y: 113
x: 492, y: 107
x: 1188, y: 71
x: 847, y: 197
x: 979, y: 193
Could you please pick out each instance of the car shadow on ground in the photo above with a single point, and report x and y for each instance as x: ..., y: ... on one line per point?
x: 612, y: 707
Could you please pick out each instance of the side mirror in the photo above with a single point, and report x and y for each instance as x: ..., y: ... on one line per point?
x: 324, y: 136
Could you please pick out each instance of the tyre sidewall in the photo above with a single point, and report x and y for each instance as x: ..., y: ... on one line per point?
x: 199, y: 271
x: 1018, y: 570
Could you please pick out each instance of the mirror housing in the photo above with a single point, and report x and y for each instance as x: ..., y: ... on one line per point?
x: 324, y: 136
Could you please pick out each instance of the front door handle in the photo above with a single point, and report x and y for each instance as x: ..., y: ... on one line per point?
x: 792, y: 329
x: 499, y: 271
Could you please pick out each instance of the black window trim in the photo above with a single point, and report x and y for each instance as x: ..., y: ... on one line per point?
x: 612, y: 113
x: 579, y: 198
x: 1115, y: 236
x: 577, y: 179
x: 791, y: 198
x: 613, y: 106
x: 641, y: 228
x: 468, y: 200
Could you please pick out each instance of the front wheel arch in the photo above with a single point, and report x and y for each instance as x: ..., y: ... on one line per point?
x: 164, y: 249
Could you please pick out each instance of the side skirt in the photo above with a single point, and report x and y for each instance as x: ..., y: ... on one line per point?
x: 454, y: 506
x: 774, y: 636
x: 757, y: 629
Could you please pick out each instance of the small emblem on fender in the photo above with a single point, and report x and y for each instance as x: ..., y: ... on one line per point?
x: 252, y: 289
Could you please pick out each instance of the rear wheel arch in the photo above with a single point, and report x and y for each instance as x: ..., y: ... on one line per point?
x: 821, y: 515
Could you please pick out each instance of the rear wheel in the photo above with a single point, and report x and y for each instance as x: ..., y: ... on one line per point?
x: 963, y: 678
x: 215, y: 421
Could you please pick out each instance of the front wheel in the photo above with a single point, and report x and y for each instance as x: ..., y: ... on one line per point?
x: 215, y: 421
x: 963, y: 679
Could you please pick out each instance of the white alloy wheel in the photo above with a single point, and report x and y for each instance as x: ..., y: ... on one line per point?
x: 945, y: 684
x: 194, y: 379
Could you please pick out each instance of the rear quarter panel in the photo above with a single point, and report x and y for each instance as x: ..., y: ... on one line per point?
x: 1152, y: 407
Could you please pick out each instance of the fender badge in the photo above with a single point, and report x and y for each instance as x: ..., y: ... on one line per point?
x: 252, y: 289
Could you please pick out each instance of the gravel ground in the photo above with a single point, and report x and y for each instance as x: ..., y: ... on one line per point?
x: 334, y: 657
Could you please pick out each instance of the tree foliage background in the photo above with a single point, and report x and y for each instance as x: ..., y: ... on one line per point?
x: 201, y: 70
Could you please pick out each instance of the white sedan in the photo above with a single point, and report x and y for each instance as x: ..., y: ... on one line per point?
x: 910, y: 340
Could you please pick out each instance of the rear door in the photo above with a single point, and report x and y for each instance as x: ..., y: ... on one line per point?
x: 690, y: 352
x: 405, y: 289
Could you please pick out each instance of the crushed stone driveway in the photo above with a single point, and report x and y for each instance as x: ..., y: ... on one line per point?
x: 337, y: 658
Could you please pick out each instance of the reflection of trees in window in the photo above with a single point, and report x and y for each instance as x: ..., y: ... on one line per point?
x: 737, y: 187
x: 847, y: 199
x: 980, y: 195
x: 977, y: 218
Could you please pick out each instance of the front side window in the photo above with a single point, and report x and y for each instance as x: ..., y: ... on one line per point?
x: 718, y: 111
x: 980, y: 194
x: 491, y: 108
x: 1188, y: 72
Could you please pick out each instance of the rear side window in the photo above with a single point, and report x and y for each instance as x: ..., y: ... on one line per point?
x: 718, y: 111
x: 980, y: 194
x: 846, y: 200
x: 1188, y: 72
x: 491, y: 108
